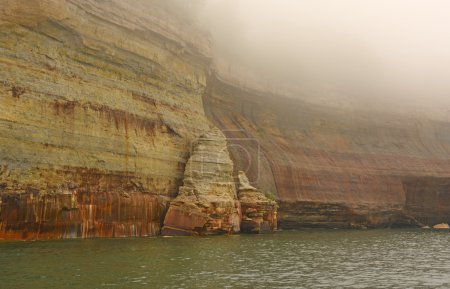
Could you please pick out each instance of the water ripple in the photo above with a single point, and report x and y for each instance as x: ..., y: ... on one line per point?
x: 302, y: 259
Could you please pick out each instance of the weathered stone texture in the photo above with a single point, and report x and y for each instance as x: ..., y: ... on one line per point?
x: 333, y: 167
x: 103, y: 99
x: 259, y: 213
x: 34, y: 216
x: 207, y: 202
x: 101, y: 96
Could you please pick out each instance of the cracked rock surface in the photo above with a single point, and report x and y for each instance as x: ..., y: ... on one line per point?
x: 207, y: 202
x: 259, y: 213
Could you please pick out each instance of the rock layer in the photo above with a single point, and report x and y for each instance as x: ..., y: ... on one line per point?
x: 101, y: 96
x: 207, y: 202
x: 74, y: 214
x: 428, y: 199
x: 335, y: 168
x: 104, y: 99
x: 259, y: 213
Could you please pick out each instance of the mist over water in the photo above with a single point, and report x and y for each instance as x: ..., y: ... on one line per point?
x: 373, y: 54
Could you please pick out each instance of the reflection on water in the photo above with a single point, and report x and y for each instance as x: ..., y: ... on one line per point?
x: 300, y: 259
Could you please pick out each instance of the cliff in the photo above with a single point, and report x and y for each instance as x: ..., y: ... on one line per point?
x: 333, y: 167
x: 100, y: 103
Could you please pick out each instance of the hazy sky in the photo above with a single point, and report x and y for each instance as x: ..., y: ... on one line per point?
x: 376, y: 52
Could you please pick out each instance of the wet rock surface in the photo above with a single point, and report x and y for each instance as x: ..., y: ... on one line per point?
x: 207, y: 202
x: 33, y: 216
x: 259, y: 213
x: 103, y: 98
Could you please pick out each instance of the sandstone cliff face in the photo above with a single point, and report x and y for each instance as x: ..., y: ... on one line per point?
x: 99, y: 105
x: 207, y: 202
x: 98, y: 100
x: 259, y: 213
x: 335, y: 168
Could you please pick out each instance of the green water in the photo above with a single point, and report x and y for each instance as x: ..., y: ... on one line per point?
x: 300, y: 259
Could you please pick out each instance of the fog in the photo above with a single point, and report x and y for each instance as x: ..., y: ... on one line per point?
x: 393, y: 53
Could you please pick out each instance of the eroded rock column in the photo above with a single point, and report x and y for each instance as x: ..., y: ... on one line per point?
x: 259, y: 213
x: 207, y: 202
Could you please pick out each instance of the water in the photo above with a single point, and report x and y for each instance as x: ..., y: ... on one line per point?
x: 297, y: 259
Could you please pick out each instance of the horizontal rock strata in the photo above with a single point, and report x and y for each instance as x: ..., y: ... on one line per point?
x: 428, y: 199
x: 335, y: 168
x: 259, y: 213
x: 32, y: 215
x: 105, y: 99
x: 102, y: 96
x: 207, y: 202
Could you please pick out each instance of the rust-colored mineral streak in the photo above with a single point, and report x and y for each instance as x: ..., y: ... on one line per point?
x: 34, y: 216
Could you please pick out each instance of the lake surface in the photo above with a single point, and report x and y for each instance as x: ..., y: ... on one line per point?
x: 289, y: 259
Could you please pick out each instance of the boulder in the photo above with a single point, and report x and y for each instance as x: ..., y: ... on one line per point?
x: 441, y: 226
